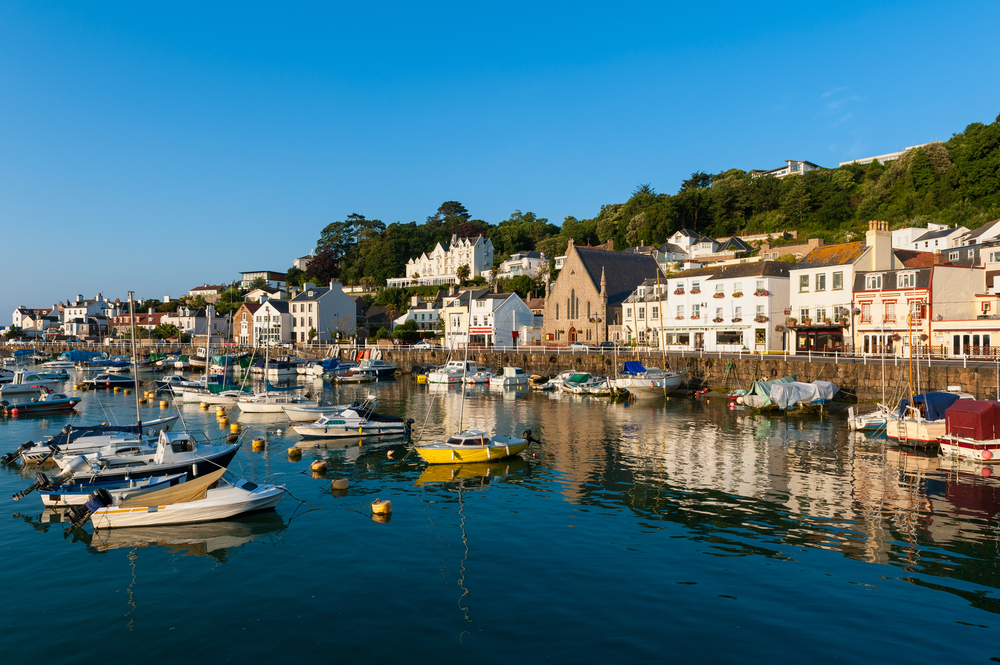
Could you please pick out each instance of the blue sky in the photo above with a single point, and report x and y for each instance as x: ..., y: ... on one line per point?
x: 157, y: 147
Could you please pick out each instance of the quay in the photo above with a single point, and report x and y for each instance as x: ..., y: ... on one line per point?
x: 859, y: 378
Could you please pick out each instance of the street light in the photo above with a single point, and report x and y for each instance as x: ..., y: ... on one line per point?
x: 597, y: 329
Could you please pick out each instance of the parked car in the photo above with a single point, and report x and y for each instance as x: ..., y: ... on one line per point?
x: 426, y: 345
x: 607, y: 345
x: 578, y: 346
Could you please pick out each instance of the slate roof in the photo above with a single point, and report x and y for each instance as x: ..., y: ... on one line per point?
x: 317, y: 293
x: 754, y: 269
x: 734, y: 244
x: 669, y: 247
x: 280, y: 305
x: 622, y: 272
x: 914, y: 259
x: 972, y: 235
x: 832, y: 255
x: 931, y: 235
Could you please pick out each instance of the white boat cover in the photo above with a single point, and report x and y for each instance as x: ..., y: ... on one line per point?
x: 795, y: 392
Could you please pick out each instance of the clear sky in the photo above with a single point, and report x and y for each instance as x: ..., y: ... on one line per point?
x: 159, y: 146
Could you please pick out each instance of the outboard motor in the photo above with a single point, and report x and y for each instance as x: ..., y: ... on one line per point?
x: 41, y: 483
x: 409, y: 426
x: 98, y: 499
x: 75, y: 465
x: 526, y: 435
x: 9, y: 458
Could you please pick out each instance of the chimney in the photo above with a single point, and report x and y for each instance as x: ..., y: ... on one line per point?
x: 939, y: 259
x: 414, y: 300
x: 611, y: 244
x: 879, y: 242
x: 453, y: 288
x: 151, y: 311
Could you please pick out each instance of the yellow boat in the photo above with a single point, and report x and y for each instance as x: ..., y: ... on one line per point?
x: 474, y: 446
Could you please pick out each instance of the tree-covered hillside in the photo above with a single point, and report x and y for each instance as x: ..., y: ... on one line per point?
x: 955, y: 182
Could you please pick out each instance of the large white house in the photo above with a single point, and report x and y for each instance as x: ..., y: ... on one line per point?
x: 425, y: 314
x: 482, y: 318
x: 521, y: 263
x: 272, y: 323
x: 441, y: 264
x: 324, y: 310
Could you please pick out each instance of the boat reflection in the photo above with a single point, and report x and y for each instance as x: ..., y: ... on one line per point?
x: 473, y: 476
x: 214, y: 539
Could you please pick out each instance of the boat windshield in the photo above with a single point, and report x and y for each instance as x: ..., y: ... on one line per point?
x: 472, y: 441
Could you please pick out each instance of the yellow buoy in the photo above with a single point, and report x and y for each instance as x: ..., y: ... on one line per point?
x: 76, y: 386
x: 258, y: 445
x: 164, y: 403
x: 380, y: 507
x: 421, y: 378
x: 220, y: 412
x: 294, y: 453
x: 204, y: 406
x: 117, y: 389
x: 318, y: 466
x: 339, y: 484
x: 142, y: 400
x: 128, y: 391
x: 234, y: 428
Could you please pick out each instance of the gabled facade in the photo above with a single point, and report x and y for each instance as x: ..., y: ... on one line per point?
x: 243, y: 324
x: 193, y: 322
x: 456, y: 312
x: 440, y: 265
x: 521, y: 263
x: 425, y: 314
x: 585, y: 302
x: 694, y: 244
x: 272, y: 323
x: 325, y: 309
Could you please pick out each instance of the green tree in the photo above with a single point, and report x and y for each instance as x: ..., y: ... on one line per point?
x: 295, y: 276
x: 795, y: 202
x: 166, y: 331
x: 257, y: 283
x: 462, y: 272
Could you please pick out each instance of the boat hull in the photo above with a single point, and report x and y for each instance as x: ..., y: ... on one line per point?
x: 444, y: 454
x: 915, y: 433
x: 648, y: 387
x: 202, y: 466
x: 986, y: 452
x: 191, y: 512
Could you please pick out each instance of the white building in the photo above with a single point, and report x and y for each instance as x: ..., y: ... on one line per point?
x: 275, y: 280
x: 719, y: 308
x: 485, y: 318
x: 791, y: 167
x: 195, y: 321
x: 521, y: 263
x: 32, y: 320
x: 934, y: 237
x: 887, y: 157
x: 693, y: 243
x: 272, y: 323
x: 325, y: 309
x: 426, y: 314
x: 440, y: 266
x: 89, y: 316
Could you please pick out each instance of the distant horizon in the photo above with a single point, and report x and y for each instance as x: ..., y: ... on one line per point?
x: 155, y: 149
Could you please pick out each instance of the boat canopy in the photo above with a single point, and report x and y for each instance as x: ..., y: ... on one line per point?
x: 934, y: 404
x: 973, y: 419
x: 633, y: 368
x: 578, y: 378
x: 793, y: 393
x: 76, y: 355
x: 24, y: 353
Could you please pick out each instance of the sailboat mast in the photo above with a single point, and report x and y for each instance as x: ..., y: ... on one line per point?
x: 659, y: 334
x: 135, y: 361
x: 465, y: 371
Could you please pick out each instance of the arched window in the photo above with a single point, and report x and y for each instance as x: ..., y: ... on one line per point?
x: 572, y: 298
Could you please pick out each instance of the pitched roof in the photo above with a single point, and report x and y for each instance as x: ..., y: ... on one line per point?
x: 971, y: 235
x: 210, y: 287
x: 931, y: 235
x: 832, y: 255
x: 280, y: 305
x: 539, y: 303
x: 622, y: 272
x: 669, y: 247
x: 754, y: 269
x: 913, y: 259
x: 317, y: 292
x: 734, y: 244
x: 251, y: 306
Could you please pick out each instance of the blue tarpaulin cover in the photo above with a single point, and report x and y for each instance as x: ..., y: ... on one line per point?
x: 935, y: 404
x: 633, y: 367
x: 76, y: 355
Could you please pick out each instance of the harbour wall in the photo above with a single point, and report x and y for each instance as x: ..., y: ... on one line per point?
x: 856, y: 379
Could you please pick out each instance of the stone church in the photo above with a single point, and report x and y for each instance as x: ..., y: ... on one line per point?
x: 585, y: 303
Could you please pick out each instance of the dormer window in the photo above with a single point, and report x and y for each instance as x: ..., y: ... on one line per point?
x: 873, y: 282
x: 906, y: 280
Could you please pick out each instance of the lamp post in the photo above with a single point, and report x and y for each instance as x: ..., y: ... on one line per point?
x: 597, y: 330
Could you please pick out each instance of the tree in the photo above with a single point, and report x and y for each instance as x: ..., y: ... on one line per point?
x: 698, y: 180
x: 324, y: 267
x: 462, y: 272
x: 258, y: 283
x: 166, y: 331
x: 295, y: 276
x: 311, y: 334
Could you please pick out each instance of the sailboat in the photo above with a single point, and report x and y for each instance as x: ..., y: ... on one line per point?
x: 266, y: 402
x: 473, y: 445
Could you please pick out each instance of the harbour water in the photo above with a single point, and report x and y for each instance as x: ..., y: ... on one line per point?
x: 643, y: 532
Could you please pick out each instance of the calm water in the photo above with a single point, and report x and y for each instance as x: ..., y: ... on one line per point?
x: 684, y: 531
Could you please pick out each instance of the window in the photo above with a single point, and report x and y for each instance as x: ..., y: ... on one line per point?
x: 628, y: 312
x: 728, y: 337
x: 905, y: 280
x: 873, y: 281
x: 821, y: 282
x: 588, y: 311
x: 738, y: 313
x: 821, y: 313
x: 953, y: 256
x: 738, y: 287
x: 293, y: 309
x: 310, y: 307
x: 695, y: 311
x: 642, y: 313
x: 838, y: 281
x: 475, y: 320
x: 695, y: 286
x: 803, y: 283
x: 656, y: 313
x: 994, y: 257
x: 719, y: 288
x: 557, y: 311
x: 680, y: 311
x: 971, y: 254
x: 760, y: 284
x: 803, y: 313
x: 718, y: 312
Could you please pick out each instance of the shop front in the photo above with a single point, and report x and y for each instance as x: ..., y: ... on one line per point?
x: 819, y: 339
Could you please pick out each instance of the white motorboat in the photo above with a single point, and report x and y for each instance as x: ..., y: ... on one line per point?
x: 513, y: 377
x: 58, y: 364
x: 271, y: 402
x: 354, y: 422
x: 175, y: 452
x: 313, y: 413
x: 582, y: 383
x: 650, y: 381
x: 26, y: 382
x: 482, y: 376
x: 454, y: 371
x: 209, y: 498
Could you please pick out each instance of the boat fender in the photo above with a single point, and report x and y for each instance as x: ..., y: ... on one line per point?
x: 389, y: 454
x: 318, y: 466
x: 987, y: 454
x: 380, y: 507
x: 294, y: 453
x: 41, y: 483
x: 98, y: 499
x: 339, y: 483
